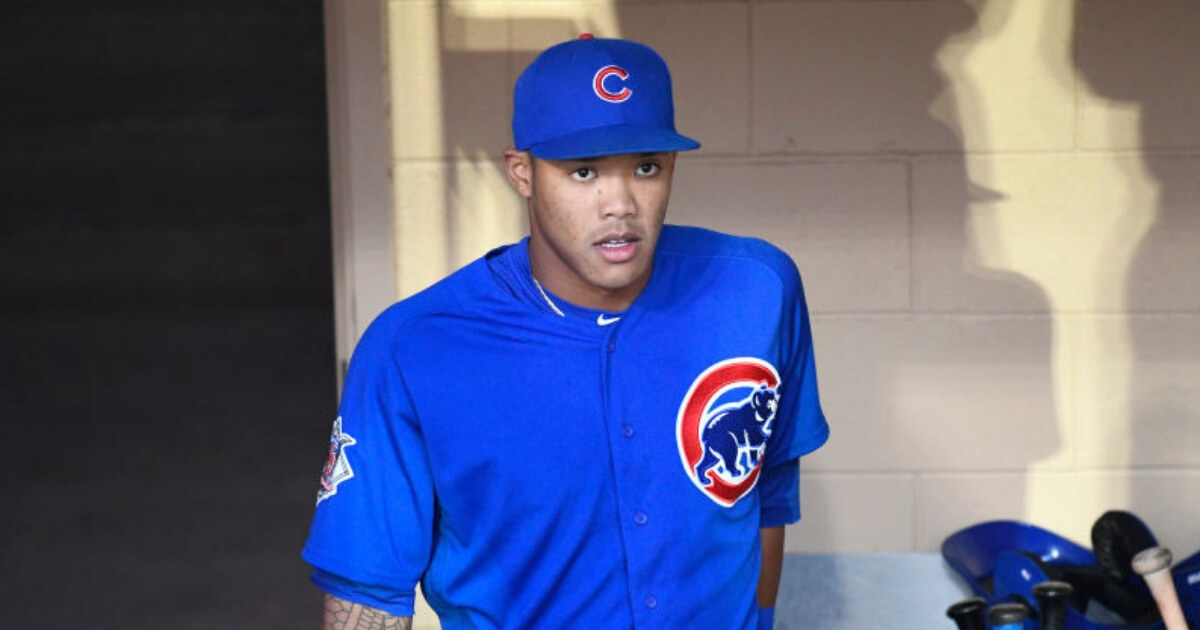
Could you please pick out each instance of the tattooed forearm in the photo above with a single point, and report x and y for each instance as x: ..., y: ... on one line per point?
x: 343, y: 615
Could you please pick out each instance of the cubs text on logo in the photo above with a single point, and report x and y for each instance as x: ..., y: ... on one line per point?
x: 601, y: 88
x: 337, y: 467
x: 723, y: 426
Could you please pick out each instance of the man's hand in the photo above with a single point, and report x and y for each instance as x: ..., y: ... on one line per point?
x: 343, y: 615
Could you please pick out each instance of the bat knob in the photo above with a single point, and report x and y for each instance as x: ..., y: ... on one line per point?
x: 1052, y: 604
x: 1153, y: 564
x: 968, y: 613
x: 1008, y: 616
x: 1151, y: 560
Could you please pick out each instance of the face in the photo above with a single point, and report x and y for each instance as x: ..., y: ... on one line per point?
x: 594, y: 223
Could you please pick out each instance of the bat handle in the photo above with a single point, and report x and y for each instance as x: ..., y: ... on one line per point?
x: 968, y: 613
x: 1154, y: 565
x: 1008, y: 616
x: 1052, y: 604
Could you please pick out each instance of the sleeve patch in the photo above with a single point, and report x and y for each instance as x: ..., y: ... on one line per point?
x: 337, y: 464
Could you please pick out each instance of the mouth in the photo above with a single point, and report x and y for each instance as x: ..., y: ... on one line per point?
x: 617, y: 248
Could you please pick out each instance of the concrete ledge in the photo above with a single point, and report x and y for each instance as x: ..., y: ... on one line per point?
x: 883, y: 591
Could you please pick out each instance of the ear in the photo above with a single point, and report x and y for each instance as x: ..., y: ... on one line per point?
x: 518, y: 165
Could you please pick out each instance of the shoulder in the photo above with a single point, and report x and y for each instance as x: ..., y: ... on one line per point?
x: 685, y: 243
x: 454, y: 295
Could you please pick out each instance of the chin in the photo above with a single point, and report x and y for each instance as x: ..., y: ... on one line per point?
x: 620, y: 282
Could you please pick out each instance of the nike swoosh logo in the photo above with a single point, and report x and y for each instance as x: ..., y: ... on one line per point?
x: 601, y: 320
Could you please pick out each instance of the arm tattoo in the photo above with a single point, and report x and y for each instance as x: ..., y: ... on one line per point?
x: 343, y: 615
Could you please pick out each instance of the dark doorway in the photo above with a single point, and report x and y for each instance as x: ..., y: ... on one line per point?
x: 165, y: 311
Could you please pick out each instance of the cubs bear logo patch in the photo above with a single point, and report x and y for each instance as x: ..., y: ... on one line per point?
x: 337, y: 466
x: 723, y: 425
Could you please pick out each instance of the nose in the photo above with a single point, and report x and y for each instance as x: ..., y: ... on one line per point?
x: 618, y: 199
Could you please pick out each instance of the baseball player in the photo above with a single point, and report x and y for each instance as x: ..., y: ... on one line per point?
x: 596, y: 427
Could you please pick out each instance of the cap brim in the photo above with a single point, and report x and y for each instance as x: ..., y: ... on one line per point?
x: 613, y: 140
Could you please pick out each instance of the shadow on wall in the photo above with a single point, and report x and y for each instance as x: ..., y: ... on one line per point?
x: 1014, y: 358
x: 959, y: 374
x: 1142, y: 58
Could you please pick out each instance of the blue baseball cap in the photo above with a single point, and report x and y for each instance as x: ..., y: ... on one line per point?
x: 592, y: 97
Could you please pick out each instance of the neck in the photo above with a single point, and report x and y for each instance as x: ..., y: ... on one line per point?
x: 609, y: 301
x: 566, y: 286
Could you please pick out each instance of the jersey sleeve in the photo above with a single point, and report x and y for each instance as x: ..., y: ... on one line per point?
x: 371, y: 534
x: 800, y: 426
x: 779, y: 491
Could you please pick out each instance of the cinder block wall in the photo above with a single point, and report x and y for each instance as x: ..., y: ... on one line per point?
x: 995, y: 206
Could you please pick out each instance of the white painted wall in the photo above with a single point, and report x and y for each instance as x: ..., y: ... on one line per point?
x: 360, y: 153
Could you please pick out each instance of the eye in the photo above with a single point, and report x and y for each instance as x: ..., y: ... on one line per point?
x: 647, y: 169
x: 583, y: 174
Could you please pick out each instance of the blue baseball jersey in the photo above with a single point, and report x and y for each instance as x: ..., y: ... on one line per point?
x: 534, y: 464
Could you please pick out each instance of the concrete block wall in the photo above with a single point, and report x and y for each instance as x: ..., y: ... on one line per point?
x: 995, y: 206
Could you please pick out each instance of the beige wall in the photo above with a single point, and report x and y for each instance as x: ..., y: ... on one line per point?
x: 995, y: 206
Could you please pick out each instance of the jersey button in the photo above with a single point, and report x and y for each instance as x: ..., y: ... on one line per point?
x: 640, y: 517
x: 612, y: 346
x: 651, y: 602
x: 627, y: 430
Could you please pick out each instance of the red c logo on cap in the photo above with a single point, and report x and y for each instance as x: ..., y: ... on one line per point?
x: 603, y: 92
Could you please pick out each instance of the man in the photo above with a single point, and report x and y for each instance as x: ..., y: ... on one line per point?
x: 597, y: 427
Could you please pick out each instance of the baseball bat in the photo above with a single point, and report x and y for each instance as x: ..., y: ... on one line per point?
x: 1052, y: 604
x: 1154, y: 565
x: 1008, y: 616
x: 968, y: 613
